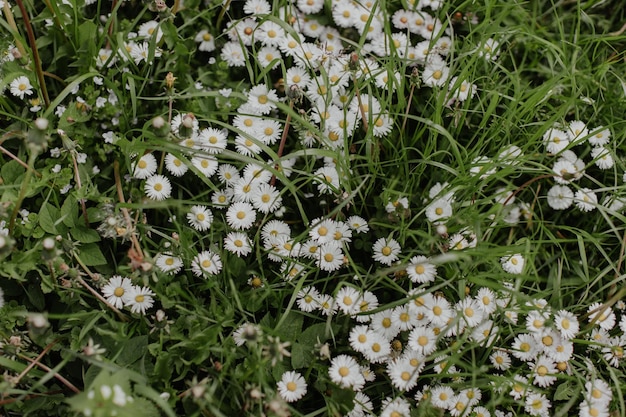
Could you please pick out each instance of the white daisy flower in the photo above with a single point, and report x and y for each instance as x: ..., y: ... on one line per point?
x: 266, y: 198
x: 175, y: 166
x: 145, y: 167
x: 168, y: 263
x: 577, y: 130
x: 567, y: 324
x: 421, y: 270
x: 206, y: 262
x: 358, y: 224
x: 207, y: 165
x: 140, y: 299
x: 402, y: 376
x: 262, y: 99
x: 500, y: 360
x: 345, y: 372
x: 513, y: 264
x: 238, y: 243
x: 537, y: 404
x: 206, y: 41
x: 158, y: 187
x: 386, y: 250
x: 602, y: 157
x: 21, y: 87
x: 117, y: 291
x: 213, y: 140
x: 330, y: 256
x: 292, y: 386
x: 423, y: 340
x: 200, y: 218
x: 347, y: 299
x: 240, y: 215
x: 555, y: 140
x: 601, y: 315
x: 560, y: 197
x: 585, y: 199
x: 600, y: 136
x: 307, y: 299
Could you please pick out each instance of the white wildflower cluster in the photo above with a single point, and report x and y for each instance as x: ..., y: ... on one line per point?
x: 121, y: 292
x: 569, y: 168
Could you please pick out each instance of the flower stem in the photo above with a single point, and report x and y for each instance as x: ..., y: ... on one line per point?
x: 24, y: 189
x: 33, y: 47
x: 283, y: 139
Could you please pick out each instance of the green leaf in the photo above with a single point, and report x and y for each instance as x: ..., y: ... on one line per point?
x: 69, y: 211
x: 11, y: 171
x: 84, y: 235
x: 318, y: 333
x: 301, y: 355
x: 291, y: 326
x: 564, y: 392
x: 36, y: 296
x: 91, y: 255
x: 49, y: 220
x: 132, y: 350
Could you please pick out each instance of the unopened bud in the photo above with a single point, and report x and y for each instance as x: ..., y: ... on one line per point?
x: 169, y: 80
x: 41, y: 123
x: 188, y: 120
x: 158, y: 122
x: 48, y: 243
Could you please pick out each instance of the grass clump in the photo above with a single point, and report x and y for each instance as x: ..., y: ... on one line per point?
x: 312, y: 208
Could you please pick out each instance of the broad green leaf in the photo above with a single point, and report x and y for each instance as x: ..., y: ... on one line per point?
x: 84, y: 235
x: 50, y: 221
x: 91, y: 255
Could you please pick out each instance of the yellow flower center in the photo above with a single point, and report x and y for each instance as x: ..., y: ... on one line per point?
x: 118, y: 292
x: 542, y: 370
x: 291, y: 386
x: 344, y: 371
